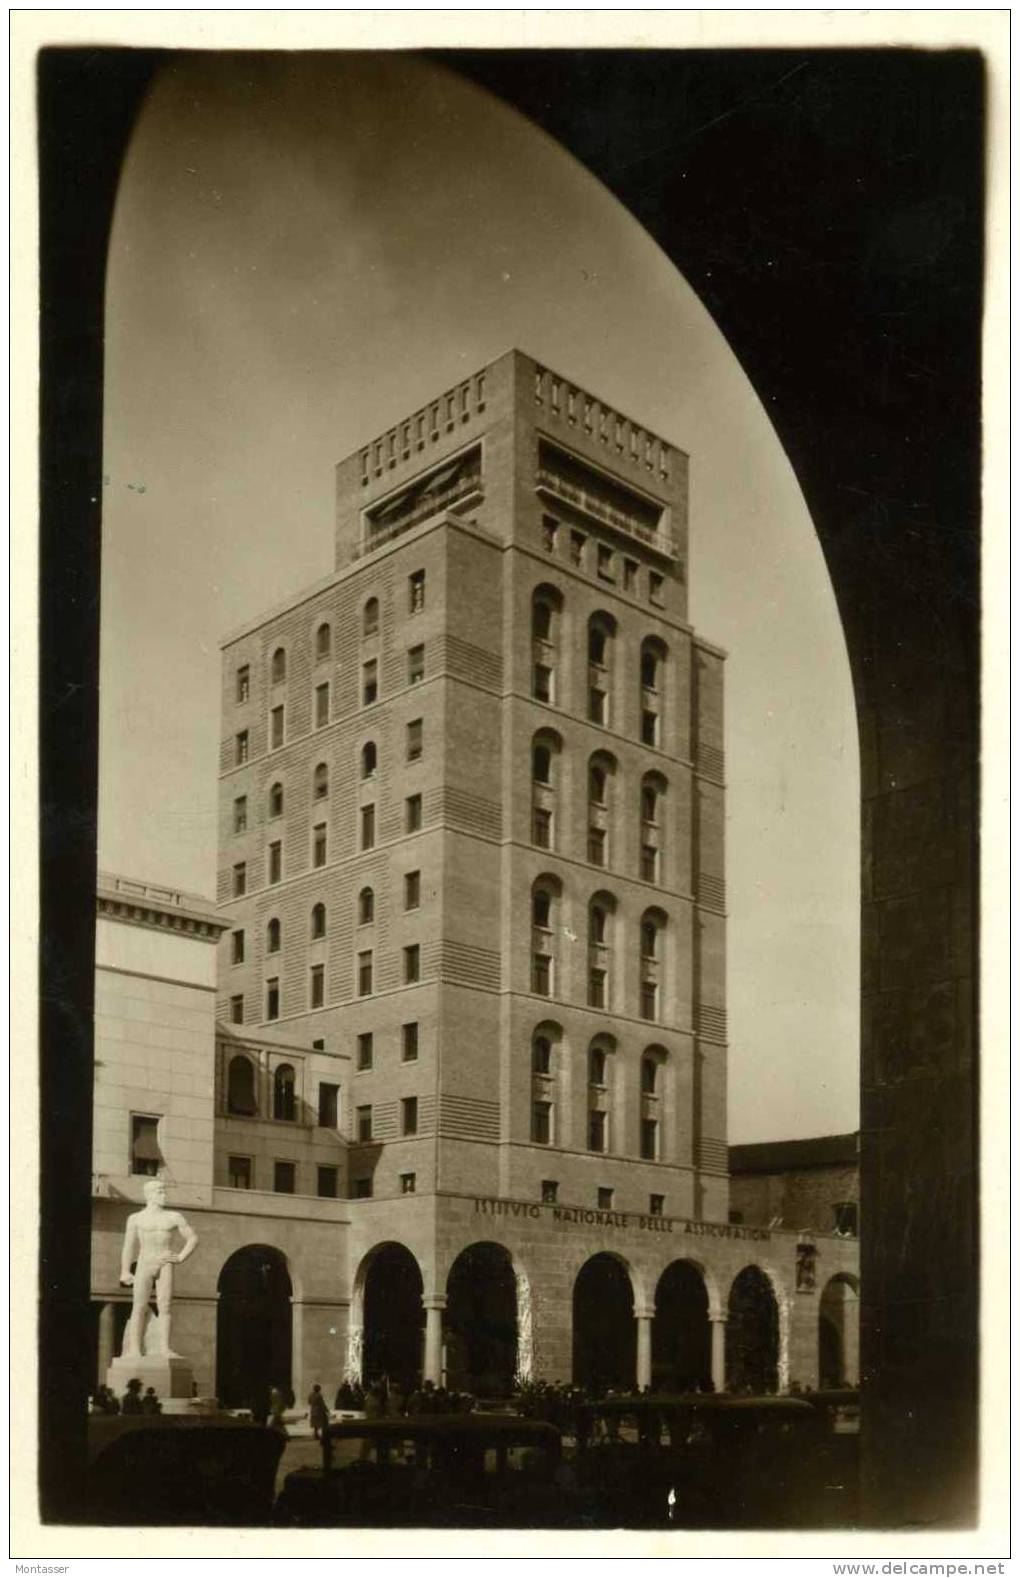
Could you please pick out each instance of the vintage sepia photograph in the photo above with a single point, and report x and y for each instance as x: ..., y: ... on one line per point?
x: 509, y: 707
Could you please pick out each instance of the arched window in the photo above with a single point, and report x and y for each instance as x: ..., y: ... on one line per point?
x: 600, y: 1093
x: 545, y: 752
x: 366, y: 907
x: 601, y: 907
x: 369, y: 757
x: 320, y: 782
x: 541, y: 1055
x: 278, y: 666
x: 284, y: 1099
x: 273, y: 935
x: 601, y: 773
x: 370, y: 617
x: 323, y: 641
x: 652, y: 963
x: 653, y: 1064
x: 653, y: 669
x: 318, y: 920
x: 275, y: 800
x: 241, y: 1087
x: 544, y: 1082
x: 546, y: 609
x: 545, y: 894
x: 601, y: 630
x: 653, y: 790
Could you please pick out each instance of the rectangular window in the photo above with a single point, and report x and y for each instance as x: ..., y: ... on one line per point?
x: 630, y: 574
x: 541, y: 1122
x: 407, y: 1182
x: 239, y: 1172
x: 237, y: 1010
x: 649, y: 863
x: 284, y: 1177
x: 655, y: 586
x: 541, y: 974
x: 649, y: 1000
x: 276, y: 728
x: 412, y: 963
x: 577, y: 542
x: 597, y: 989
x: 597, y: 705
x: 321, y: 705
x: 241, y: 814
x: 409, y: 1115
x: 735, y: 1218
x: 319, y: 844
x: 414, y: 739
x: 605, y: 1199
x: 550, y: 1191
x: 241, y: 747
x: 364, y: 973
x: 649, y: 727
x: 364, y: 1051
x: 368, y: 827
x: 243, y: 690
x: 364, y: 1129
x: 317, y: 986
x: 362, y: 1188
x: 329, y: 1105
x: 412, y: 890
x: 596, y: 1131
x: 273, y: 998
x: 327, y: 1180
x: 845, y: 1218
x: 318, y: 1045
x: 597, y: 846
x: 656, y: 1204
x: 369, y: 682
x: 416, y: 592
x: 541, y: 828
x: 275, y: 861
x: 409, y: 1042
x: 550, y: 528
x: 237, y: 947
x: 412, y: 810
x: 416, y: 665
x: 146, y: 1158
x: 649, y: 1140
x: 605, y: 563
x: 543, y: 682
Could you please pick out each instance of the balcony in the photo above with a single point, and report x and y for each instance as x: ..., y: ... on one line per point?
x: 604, y: 514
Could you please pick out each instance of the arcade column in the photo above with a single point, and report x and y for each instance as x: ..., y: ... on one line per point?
x: 434, y: 1304
x: 717, y: 1320
x: 644, y: 1314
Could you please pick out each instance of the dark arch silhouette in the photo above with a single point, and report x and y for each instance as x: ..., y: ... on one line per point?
x: 837, y: 1334
x: 752, y: 1333
x: 605, y: 1331
x: 253, y: 1327
x: 681, y: 1335
x: 394, y: 1317
x: 481, y: 1321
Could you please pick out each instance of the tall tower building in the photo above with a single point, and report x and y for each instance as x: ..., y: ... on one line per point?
x: 471, y: 855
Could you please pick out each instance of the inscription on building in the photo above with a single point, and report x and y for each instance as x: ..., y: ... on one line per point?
x: 580, y: 1216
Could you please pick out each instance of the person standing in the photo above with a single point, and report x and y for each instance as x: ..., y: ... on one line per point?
x: 318, y: 1413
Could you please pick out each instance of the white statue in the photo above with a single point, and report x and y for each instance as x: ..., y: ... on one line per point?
x: 147, y: 1240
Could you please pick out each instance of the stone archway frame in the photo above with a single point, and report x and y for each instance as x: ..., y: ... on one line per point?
x: 525, y: 1366
x: 782, y: 1299
x: 846, y: 1279
x: 354, y: 1363
x: 717, y: 1311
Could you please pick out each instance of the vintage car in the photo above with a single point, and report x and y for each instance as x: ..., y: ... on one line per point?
x: 705, y: 1461
x: 176, y: 1470
x: 430, y: 1471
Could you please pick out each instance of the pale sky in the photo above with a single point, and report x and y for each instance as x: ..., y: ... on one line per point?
x: 304, y: 251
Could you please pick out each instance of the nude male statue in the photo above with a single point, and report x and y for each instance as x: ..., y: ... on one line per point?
x: 147, y: 1239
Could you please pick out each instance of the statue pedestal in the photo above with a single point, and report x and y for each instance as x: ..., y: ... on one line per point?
x: 169, y: 1376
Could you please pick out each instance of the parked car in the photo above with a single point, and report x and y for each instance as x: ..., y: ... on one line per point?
x: 173, y: 1470
x: 431, y: 1471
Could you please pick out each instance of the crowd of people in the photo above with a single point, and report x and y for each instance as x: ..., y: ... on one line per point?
x: 134, y: 1401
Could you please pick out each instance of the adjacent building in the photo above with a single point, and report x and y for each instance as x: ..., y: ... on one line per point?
x: 471, y: 994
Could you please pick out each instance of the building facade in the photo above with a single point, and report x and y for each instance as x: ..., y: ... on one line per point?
x: 471, y: 994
